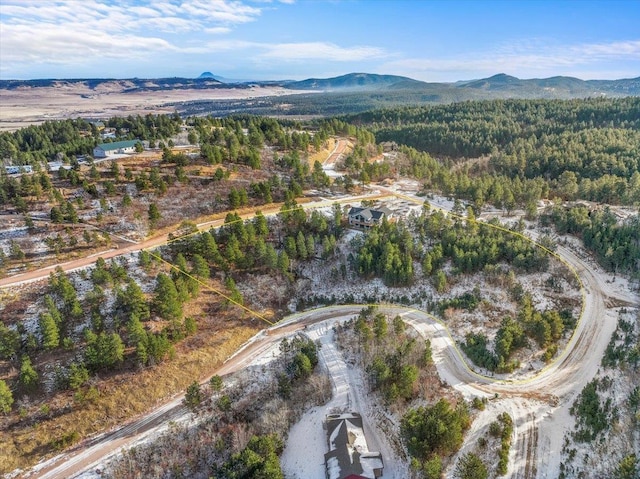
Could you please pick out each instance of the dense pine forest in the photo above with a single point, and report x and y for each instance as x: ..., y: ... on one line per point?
x: 123, y: 318
x: 512, y: 153
x: 65, y: 139
x: 506, y: 153
x: 578, y: 149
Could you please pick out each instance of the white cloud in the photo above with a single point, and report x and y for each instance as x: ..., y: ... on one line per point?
x: 532, y: 57
x: 77, y: 31
x: 168, y: 24
x: 230, y: 45
x: 217, y: 30
x: 144, y: 11
x: 628, y: 49
x: 58, y: 45
x: 320, y: 51
x: 197, y: 13
x: 227, y: 12
x: 230, y: 12
x: 299, y: 51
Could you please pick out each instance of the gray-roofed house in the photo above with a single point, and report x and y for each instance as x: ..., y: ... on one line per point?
x: 104, y: 150
x: 367, y: 217
x: 349, y: 455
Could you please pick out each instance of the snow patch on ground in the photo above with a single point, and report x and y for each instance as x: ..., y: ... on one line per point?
x: 601, y: 456
x: 12, y: 233
x: 303, y: 456
x: 333, y: 281
x: 30, y: 323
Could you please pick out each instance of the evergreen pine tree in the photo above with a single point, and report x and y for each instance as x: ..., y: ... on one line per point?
x: 167, y: 301
x: 6, y: 398
x: 49, y: 331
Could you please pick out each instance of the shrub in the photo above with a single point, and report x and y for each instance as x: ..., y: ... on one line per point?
x: 471, y: 466
x: 193, y: 396
x: 6, y: 398
x: 434, y: 429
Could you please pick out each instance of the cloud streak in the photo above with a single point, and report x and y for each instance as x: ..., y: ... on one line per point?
x: 525, y: 57
x: 58, y: 45
x: 320, y: 51
x: 294, y: 52
x: 91, y: 12
x: 71, y: 31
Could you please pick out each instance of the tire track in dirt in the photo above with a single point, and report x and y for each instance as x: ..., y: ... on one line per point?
x: 527, y: 450
x: 334, y: 156
x: 532, y: 454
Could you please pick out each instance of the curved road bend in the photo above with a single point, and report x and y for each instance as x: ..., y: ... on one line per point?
x: 541, y: 394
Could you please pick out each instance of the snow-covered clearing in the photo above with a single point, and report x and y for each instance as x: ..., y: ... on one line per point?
x: 303, y: 456
x: 602, y: 455
x: 538, y: 402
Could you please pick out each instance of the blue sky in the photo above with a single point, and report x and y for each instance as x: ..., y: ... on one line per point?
x: 297, y: 39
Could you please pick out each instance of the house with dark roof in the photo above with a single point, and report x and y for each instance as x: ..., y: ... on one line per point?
x: 104, y: 150
x: 367, y: 217
x: 349, y: 456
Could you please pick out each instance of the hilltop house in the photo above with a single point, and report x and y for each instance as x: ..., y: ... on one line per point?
x: 366, y: 217
x: 104, y: 150
x: 348, y: 456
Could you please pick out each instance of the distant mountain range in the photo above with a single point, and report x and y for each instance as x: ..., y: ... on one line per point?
x: 123, y: 85
x: 352, y: 81
x: 559, y: 85
x: 497, y: 86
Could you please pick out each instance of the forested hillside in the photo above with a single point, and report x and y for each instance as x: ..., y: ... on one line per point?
x: 133, y: 330
x: 578, y: 149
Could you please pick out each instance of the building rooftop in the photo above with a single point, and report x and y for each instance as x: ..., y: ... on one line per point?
x: 116, y: 145
x: 349, y: 455
x: 369, y: 213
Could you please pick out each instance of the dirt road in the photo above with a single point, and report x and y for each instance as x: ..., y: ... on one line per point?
x: 538, y: 403
x: 338, y: 151
x: 154, y: 242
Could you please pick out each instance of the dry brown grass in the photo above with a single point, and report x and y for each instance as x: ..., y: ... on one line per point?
x: 323, y: 154
x: 37, y: 104
x: 122, y: 396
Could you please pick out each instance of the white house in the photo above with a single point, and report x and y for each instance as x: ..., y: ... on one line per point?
x: 105, y: 150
